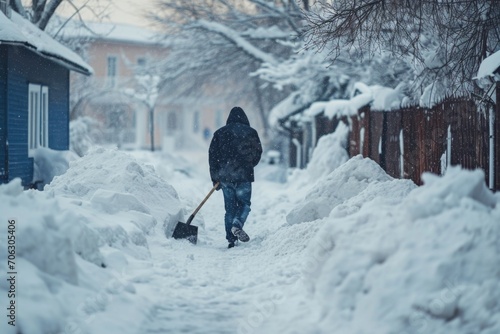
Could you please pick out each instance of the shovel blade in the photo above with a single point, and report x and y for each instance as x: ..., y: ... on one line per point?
x: 185, y: 231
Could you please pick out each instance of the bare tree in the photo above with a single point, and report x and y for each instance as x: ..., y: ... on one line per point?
x: 219, y: 43
x: 443, y: 40
x: 39, y: 12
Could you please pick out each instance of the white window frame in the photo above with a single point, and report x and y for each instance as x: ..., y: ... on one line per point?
x: 38, y: 117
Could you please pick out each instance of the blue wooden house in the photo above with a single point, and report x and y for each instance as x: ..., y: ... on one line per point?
x: 34, y: 95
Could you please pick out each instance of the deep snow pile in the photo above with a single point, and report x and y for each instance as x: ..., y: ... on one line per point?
x: 330, y: 152
x: 344, y: 183
x: 114, y: 182
x: 389, y: 259
x: 76, y: 240
x: 61, y: 283
x: 339, y: 248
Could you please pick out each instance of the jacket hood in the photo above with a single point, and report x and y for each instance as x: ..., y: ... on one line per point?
x: 237, y: 115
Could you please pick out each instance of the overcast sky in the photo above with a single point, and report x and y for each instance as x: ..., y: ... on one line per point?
x: 130, y: 11
x: 120, y: 11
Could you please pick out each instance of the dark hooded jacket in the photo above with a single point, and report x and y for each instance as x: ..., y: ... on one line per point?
x: 235, y: 150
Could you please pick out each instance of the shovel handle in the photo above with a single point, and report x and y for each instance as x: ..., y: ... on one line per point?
x: 201, y: 204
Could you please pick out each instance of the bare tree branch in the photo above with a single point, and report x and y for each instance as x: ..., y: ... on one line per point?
x: 49, y: 10
x: 224, y: 41
x: 446, y: 40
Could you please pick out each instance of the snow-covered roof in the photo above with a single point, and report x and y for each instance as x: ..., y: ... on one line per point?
x: 489, y: 66
x: 284, y: 108
x: 379, y: 97
x: 339, y: 107
x: 107, y: 31
x: 18, y: 30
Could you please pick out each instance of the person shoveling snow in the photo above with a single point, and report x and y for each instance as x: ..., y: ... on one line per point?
x: 234, y: 151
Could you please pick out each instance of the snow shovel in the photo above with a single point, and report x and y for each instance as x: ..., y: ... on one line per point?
x: 186, y: 230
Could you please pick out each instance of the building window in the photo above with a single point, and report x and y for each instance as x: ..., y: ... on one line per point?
x: 38, y: 117
x: 171, y: 121
x: 112, y: 69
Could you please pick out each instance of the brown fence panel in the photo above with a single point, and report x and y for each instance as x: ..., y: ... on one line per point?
x: 358, y: 144
x: 421, y: 144
x: 434, y: 141
x: 456, y: 123
x: 325, y: 125
x: 470, y: 135
x: 391, y: 143
x: 354, y: 140
x: 411, y: 147
x: 365, y: 117
x: 463, y: 117
x: 482, y: 143
x: 376, y: 128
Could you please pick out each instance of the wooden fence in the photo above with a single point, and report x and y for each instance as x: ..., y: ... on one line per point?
x: 410, y: 141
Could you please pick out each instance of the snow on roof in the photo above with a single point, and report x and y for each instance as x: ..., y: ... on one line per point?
x: 108, y: 31
x: 18, y: 30
x: 379, y: 97
x: 489, y: 66
x: 283, y: 109
x: 339, y: 107
x: 385, y: 98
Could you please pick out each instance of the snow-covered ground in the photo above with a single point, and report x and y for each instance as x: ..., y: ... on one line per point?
x: 340, y: 247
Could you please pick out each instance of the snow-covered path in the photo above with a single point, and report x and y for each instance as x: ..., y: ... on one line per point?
x: 208, y: 288
x: 339, y: 245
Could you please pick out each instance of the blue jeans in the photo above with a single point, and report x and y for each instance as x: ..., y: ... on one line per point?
x: 237, y: 204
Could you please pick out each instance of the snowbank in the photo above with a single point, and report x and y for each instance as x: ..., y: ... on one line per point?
x: 392, y: 258
x: 330, y: 152
x: 113, y: 182
x: 76, y: 240
x: 343, y: 183
x: 49, y: 243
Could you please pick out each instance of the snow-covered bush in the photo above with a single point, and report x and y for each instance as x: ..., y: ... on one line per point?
x: 50, y: 163
x: 80, y: 135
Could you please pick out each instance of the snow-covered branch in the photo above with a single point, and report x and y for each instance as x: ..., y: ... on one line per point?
x: 238, y: 40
